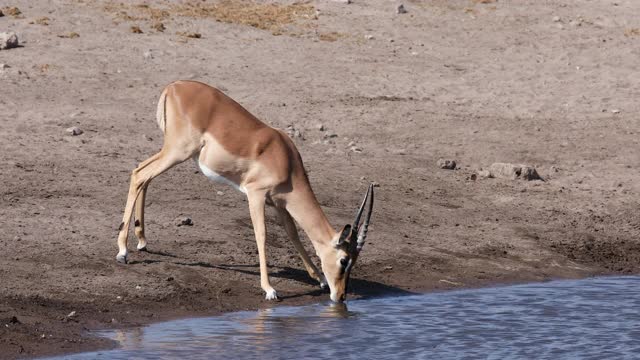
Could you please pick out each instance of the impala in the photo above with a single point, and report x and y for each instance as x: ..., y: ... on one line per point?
x: 232, y: 146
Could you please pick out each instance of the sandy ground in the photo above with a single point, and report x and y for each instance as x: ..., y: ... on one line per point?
x: 553, y: 84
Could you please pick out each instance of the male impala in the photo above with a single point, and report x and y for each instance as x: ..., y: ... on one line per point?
x: 232, y: 146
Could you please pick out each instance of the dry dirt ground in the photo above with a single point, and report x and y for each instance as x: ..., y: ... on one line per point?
x: 552, y: 84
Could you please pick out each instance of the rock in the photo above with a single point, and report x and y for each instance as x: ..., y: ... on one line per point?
x: 446, y: 164
x: 485, y: 174
x: 615, y: 111
x: 135, y: 29
x: 219, y: 193
x: 343, y: 1
x: 147, y: 55
x: 355, y: 149
x: 17, y: 238
x: 330, y: 135
x: 368, y: 37
x: 8, y: 40
x: 4, y: 66
x: 321, y: 127
x: 71, y: 314
x: 556, y: 19
x: 183, y: 221
x: 147, y: 137
x: 401, y: 9
x: 74, y: 131
x: 513, y: 171
x: 14, y: 320
x: 293, y: 132
x: 351, y: 143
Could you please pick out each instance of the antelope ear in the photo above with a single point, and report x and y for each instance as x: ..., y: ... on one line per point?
x: 344, y: 234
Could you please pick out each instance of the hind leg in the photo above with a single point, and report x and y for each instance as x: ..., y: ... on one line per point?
x: 140, y: 178
x: 138, y: 217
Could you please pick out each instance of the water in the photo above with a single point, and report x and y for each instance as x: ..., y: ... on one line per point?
x: 596, y: 318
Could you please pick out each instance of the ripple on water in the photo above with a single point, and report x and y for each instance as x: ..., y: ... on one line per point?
x: 584, y: 319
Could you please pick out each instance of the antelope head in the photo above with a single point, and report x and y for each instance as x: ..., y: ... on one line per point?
x: 338, y: 263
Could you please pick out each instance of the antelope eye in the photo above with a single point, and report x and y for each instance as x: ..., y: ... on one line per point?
x: 344, y: 262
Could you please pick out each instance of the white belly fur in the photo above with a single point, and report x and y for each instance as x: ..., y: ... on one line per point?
x: 212, y: 175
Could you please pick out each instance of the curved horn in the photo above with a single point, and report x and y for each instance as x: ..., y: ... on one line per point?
x: 362, y: 232
x: 356, y: 222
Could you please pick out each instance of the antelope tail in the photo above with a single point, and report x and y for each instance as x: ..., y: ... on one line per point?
x: 161, y: 114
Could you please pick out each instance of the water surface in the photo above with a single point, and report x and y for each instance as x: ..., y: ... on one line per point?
x: 595, y: 318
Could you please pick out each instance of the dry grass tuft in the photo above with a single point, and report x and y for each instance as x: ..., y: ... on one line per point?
x: 331, y: 36
x: 12, y: 11
x: 276, y: 18
x: 71, y: 35
x: 270, y: 17
x: 632, y: 32
x: 158, y: 27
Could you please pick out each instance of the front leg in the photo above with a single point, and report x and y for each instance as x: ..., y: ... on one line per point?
x: 256, y: 208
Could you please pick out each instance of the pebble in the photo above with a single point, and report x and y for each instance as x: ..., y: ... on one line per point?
x: 447, y: 164
x: 401, y: 9
x: 147, y: 137
x: 556, y: 19
x: 369, y: 37
x: 183, y: 221
x: 74, y: 131
x: 220, y: 193
x: 615, y: 111
x: 321, y: 127
x: 8, y: 40
x: 330, y: 135
x: 356, y: 149
x: 71, y: 314
x: 147, y: 55
x: 4, y: 66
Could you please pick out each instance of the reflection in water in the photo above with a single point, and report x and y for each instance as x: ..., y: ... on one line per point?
x: 594, y: 318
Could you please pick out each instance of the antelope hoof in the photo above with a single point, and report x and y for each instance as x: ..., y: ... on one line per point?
x: 271, y: 295
x: 122, y: 259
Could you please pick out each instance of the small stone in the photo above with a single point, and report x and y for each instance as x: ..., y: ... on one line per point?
x: 355, y: 149
x: 485, y: 174
x: 330, y: 135
x: 183, y: 221
x: 118, y: 297
x: 446, y: 164
x: 74, y: 131
x: 17, y: 238
x: 8, y: 40
x: 514, y: 171
x: 321, y: 127
x: 170, y: 278
x: 138, y: 287
x: 71, y: 35
x: 135, y: 29
x: 147, y: 55
x: 473, y: 177
x: 401, y: 9
x: 71, y: 314
x: 147, y: 137
x: 615, y: 111
x: 369, y: 37
x: 219, y: 193
x: 4, y: 66
x: 14, y: 320
x: 351, y: 143
x: 556, y: 19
